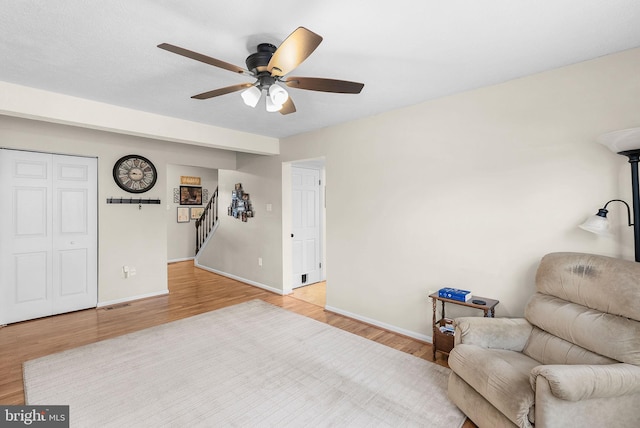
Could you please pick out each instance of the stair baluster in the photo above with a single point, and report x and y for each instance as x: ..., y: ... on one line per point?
x: 207, y: 221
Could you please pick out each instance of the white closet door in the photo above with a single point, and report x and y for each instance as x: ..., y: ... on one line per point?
x: 25, y: 244
x: 75, y: 283
x: 46, y: 260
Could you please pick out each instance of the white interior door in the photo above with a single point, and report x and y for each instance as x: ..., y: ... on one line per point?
x: 306, y: 226
x: 75, y: 282
x: 48, y: 234
x: 25, y: 241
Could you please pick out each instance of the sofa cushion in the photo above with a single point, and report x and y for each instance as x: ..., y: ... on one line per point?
x: 500, y: 376
x: 602, y: 283
x: 472, y: 404
x: 577, y: 382
x: 549, y: 349
x: 613, y: 336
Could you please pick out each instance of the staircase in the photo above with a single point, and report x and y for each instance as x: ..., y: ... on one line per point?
x: 207, y: 222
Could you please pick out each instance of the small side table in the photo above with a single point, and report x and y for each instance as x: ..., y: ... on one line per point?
x: 443, y: 342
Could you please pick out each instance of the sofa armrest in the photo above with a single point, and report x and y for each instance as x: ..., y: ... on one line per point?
x: 582, y: 382
x: 499, y: 333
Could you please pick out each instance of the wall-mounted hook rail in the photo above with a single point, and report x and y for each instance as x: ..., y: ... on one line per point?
x: 138, y: 201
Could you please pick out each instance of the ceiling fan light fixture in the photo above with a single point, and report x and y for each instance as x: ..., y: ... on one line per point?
x: 268, y: 66
x: 278, y: 95
x: 251, y: 96
x: 271, y: 106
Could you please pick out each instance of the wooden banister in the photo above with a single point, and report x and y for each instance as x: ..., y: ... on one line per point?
x: 207, y: 221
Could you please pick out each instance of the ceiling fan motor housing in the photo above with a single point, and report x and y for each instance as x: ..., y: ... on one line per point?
x: 257, y: 62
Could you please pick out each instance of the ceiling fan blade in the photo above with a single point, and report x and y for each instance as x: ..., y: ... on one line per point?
x: 324, y: 85
x: 288, y: 107
x: 293, y: 51
x: 203, y: 58
x: 222, y: 91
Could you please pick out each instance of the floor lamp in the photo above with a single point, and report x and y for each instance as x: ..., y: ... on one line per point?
x: 626, y: 143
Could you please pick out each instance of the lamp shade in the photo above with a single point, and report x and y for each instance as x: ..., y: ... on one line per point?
x: 621, y: 141
x: 597, y: 223
x: 251, y: 96
x: 278, y: 95
x: 271, y: 106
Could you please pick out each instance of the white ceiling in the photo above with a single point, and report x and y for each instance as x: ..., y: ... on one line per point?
x: 404, y: 51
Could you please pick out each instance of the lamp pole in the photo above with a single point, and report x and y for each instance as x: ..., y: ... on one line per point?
x: 634, y: 158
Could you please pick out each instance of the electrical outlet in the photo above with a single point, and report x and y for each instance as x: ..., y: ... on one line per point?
x: 132, y: 271
x: 259, y: 261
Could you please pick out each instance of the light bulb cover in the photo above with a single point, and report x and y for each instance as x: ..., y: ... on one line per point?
x: 251, y: 96
x: 622, y: 140
x: 597, y: 223
x: 278, y: 95
x: 271, y: 106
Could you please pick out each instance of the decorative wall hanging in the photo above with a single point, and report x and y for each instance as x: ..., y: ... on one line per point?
x: 190, y: 180
x: 190, y: 195
x: 196, y: 212
x: 176, y: 196
x: 240, y: 204
x: 183, y: 215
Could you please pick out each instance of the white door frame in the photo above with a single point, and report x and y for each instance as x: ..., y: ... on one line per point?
x: 287, y: 220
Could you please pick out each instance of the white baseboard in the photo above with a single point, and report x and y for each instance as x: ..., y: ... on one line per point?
x: 180, y: 260
x: 128, y: 299
x: 392, y: 328
x: 237, y: 278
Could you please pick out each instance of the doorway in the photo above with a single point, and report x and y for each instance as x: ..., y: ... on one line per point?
x: 304, y: 234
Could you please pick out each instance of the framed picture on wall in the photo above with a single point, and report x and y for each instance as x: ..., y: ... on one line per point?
x: 190, y: 195
x: 183, y: 215
x: 196, y: 212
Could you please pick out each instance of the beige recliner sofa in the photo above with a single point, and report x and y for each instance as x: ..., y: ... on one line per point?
x: 573, y: 361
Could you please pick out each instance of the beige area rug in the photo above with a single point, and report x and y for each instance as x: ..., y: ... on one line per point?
x: 248, y: 365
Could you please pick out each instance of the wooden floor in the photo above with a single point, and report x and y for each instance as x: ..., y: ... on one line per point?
x: 314, y: 293
x: 192, y: 291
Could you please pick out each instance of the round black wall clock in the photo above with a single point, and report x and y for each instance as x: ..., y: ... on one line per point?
x: 134, y: 173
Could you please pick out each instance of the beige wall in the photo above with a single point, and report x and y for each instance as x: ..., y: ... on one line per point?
x: 466, y: 191
x: 235, y: 248
x: 127, y: 235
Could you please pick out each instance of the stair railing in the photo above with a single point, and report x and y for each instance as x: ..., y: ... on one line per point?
x: 207, y: 221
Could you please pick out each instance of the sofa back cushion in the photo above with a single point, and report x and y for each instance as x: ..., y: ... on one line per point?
x: 549, y: 349
x: 589, y: 301
x: 602, y: 283
x: 548, y: 343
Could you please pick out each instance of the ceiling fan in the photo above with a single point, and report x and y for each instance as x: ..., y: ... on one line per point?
x: 269, y: 66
